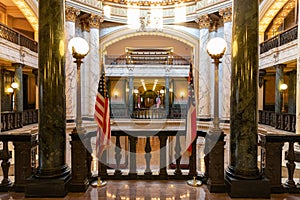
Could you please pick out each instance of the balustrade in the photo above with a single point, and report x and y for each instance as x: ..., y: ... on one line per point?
x: 14, y: 120
x: 271, y: 161
x: 17, y: 38
x: 278, y: 40
x: 281, y: 121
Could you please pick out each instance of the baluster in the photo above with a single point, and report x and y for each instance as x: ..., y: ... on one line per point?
x: 177, y: 156
x: 118, y: 156
x: 192, y: 168
x: 5, y: 155
x: 163, y: 156
x: 132, y: 149
x: 290, y: 183
x: 148, y: 156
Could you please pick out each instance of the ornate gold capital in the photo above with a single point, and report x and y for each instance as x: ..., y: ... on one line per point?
x: 71, y: 13
x: 226, y: 13
x: 203, y: 21
x: 95, y: 21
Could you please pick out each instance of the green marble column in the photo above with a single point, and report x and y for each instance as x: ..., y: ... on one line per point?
x: 242, y: 173
x: 53, y: 173
x: 279, y: 80
x: 292, y: 92
x: 19, y: 91
x: 167, y: 96
x: 130, y: 95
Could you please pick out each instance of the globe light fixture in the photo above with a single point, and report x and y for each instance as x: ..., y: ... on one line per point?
x: 216, y: 48
x: 79, y: 48
x: 14, y: 85
x: 282, y: 88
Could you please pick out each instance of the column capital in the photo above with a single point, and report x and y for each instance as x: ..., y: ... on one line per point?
x: 71, y: 13
x: 83, y: 21
x: 280, y: 66
x: 203, y: 21
x: 226, y: 14
x: 95, y: 21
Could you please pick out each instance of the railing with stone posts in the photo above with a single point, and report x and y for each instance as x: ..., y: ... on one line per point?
x: 14, y: 36
x: 281, y: 121
x: 25, y: 151
x: 278, y: 40
x: 15, y: 120
x: 273, y: 146
x: 127, y: 158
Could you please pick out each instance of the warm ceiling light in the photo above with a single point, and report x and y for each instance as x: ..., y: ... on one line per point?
x: 28, y: 13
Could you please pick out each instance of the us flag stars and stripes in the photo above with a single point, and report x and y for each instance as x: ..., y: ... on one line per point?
x: 102, y: 117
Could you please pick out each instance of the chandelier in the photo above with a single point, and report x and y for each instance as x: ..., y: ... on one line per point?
x: 151, y: 2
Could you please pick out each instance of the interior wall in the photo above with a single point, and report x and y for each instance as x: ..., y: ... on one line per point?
x: 149, y: 41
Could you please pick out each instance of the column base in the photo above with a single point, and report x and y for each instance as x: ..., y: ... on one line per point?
x: 78, y: 186
x: 243, y: 188
x: 216, y: 188
x: 47, y: 187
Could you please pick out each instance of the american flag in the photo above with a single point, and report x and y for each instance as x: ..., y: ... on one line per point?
x: 102, y: 117
x: 191, y: 124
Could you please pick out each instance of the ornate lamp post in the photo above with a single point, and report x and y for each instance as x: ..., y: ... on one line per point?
x: 79, y: 49
x: 13, y: 87
x: 216, y: 48
x: 282, y: 89
x: 214, y: 142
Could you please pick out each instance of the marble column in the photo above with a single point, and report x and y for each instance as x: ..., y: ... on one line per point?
x: 18, y: 78
x: 71, y: 69
x: 204, y: 97
x: 242, y: 174
x: 292, y: 92
x: 298, y: 82
x: 167, y: 96
x: 130, y: 95
x: 278, y: 82
x: 94, y: 63
x: 225, y: 78
x: 53, y: 174
x: 85, y: 68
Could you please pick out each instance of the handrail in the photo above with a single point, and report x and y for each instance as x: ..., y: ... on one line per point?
x: 18, y: 38
x: 280, y: 39
x: 281, y: 121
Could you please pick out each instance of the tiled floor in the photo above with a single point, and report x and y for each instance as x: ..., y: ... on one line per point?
x: 146, y: 190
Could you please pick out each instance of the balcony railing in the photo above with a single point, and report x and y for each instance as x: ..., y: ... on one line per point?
x: 122, y: 60
x: 279, y: 40
x: 14, y: 120
x: 13, y: 36
x: 281, y: 121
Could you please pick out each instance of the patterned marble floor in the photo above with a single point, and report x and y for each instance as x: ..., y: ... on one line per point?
x: 146, y: 190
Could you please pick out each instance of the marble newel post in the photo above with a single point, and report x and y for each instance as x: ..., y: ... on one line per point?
x: 71, y: 71
x: 226, y: 13
x: 242, y: 176
x: 19, y: 91
x: 53, y: 174
x: 205, y: 68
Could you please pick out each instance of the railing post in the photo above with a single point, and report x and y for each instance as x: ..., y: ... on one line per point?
x: 5, y: 155
x: 132, y: 156
x: 79, y: 181
x: 118, y: 156
x: 163, y: 156
x: 290, y: 183
x: 148, y: 156
x: 25, y: 152
x: 178, y: 156
x: 216, y: 182
x: 271, y: 160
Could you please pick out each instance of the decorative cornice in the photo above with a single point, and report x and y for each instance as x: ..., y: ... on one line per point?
x: 71, y: 13
x: 226, y: 13
x: 203, y: 21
